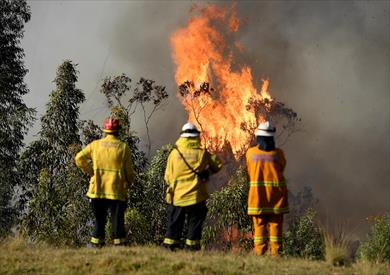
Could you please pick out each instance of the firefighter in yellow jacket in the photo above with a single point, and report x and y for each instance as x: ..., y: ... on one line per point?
x: 108, y: 162
x: 267, y: 198
x: 188, y: 168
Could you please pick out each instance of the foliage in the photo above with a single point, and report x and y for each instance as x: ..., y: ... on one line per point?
x: 196, y: 99
x: 16, y: 117
x: 283, y: 117
x: 138, y: 227
x: 89, y: 131
x: 227, y: 210
x: 377, y: 247
x: 53, y: 198
x: 304, y: 238
x: 143, y: 93
x: 154, y: 205
x: 145, y: 194
x: 300, y: 202
x: 145, y: 218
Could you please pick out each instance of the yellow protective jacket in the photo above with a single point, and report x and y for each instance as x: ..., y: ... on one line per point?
x: 267, y: 185
x: 111, y: 171
x: 187, y: 188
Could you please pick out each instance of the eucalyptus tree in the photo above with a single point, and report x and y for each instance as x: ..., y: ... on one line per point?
x: 15, y: 116
x: 54, y: 189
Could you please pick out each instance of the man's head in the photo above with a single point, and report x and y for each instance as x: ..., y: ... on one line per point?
x: 111, y: 126
x: 189, y: 130
x: 265, y: 136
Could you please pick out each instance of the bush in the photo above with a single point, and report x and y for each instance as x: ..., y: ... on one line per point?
x: 304, y: 238
x: 377, y: 247
x: 138, y: 228
x: 154, y: 207
x: 228, y: 213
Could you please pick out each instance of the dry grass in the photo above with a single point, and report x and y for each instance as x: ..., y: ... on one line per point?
x: 337, y: 249
x: 17, y: 257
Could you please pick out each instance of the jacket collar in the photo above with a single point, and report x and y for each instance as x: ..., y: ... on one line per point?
x: 111, y: 137
x: 185, y: 142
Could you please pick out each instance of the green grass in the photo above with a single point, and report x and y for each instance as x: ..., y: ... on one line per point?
x: 17, y: 257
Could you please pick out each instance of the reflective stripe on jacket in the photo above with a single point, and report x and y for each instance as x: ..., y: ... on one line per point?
x: 267, y: 185
x: 111, y: 171
x: 187, y: 188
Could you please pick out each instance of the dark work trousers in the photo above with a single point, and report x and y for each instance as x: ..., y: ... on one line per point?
x: 196, y: 214
x: 117, y: 209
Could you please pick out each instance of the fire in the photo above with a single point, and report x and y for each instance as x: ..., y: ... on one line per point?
x: 202, y: 54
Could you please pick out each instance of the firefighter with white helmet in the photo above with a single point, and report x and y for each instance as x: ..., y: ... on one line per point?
x: 267, y: 197
x: 188, y: 168
x: 108, y: 162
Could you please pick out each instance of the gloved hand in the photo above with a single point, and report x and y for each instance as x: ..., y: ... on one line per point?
x: 204, y: 175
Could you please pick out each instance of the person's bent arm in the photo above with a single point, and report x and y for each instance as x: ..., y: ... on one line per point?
x: 215, y: 164
x: 83, y: 159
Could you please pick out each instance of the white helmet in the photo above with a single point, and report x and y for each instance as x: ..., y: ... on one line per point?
x: 189, y: 130
x: 265, y: 129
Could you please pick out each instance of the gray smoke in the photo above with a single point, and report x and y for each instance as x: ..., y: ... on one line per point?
x: 329, y: 61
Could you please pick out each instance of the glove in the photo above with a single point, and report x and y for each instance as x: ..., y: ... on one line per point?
x: 204, y: 175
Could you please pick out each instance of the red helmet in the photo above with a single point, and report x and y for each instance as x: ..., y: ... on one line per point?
x: 111, y: 125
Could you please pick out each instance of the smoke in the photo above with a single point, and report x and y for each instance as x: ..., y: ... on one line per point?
x: 329, y: 61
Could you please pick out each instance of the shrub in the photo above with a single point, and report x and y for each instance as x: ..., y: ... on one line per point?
x: 377, y: 247
x: 154, y: 207
x: 138, y: 228
x: 227, y: 213
x: 304, y: 238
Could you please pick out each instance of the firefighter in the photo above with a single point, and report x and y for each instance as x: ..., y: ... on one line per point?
x: 108, y: 162
x: 267, y: 198
x: 188, y: 169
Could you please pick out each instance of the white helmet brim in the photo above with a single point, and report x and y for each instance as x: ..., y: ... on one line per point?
x: 189, y: 135
x: 264, y: 133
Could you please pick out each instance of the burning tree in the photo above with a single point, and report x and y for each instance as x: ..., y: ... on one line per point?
x: 220, y: 96
x: 266, y: 108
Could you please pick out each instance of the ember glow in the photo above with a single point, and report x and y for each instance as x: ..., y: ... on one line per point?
x: 204, y: 51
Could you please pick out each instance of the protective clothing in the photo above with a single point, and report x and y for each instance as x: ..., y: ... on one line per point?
x: 267, y: 197
x: 265, y: 129
x: 189, y: 130
x: 264, y: 236
x: 176, y: 217
x: 188, y: 188
x: 111, y: 171
x: 268, y: 190
x: 100, y: 209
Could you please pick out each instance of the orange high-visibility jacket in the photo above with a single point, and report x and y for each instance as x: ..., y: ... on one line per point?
x: 112, y: 168
x: 268, y: 190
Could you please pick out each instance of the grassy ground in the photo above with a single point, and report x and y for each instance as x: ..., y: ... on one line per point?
x: 17, y: 257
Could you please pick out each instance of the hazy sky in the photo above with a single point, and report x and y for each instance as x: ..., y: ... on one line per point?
x: 329, y: 61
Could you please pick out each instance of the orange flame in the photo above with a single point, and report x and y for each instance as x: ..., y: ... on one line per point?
x: 202, y: 54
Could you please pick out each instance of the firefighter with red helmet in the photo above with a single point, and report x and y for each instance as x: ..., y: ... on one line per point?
x: 267, y: 198
x: 108, y: 162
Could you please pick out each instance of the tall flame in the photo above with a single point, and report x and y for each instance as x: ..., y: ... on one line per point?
x: 202, y: 54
